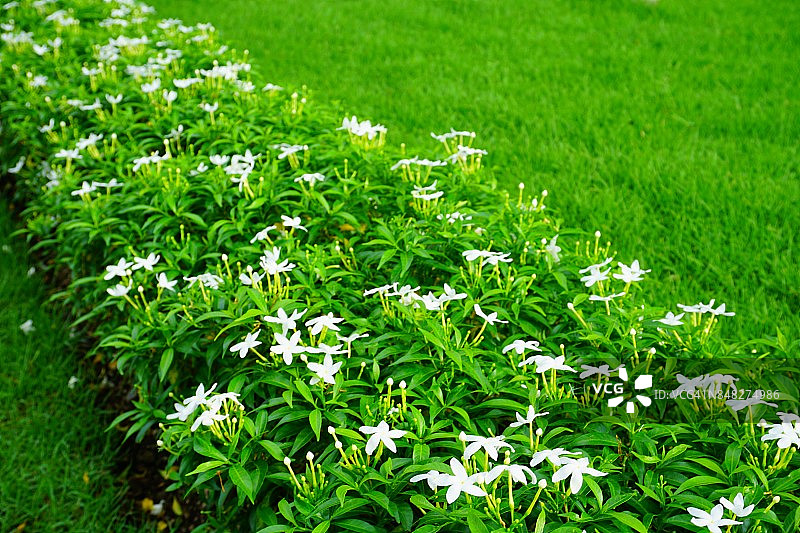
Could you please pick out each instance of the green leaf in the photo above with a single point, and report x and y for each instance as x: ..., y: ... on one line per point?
x: 304, y: 391
x: 204, y: 447
x: 630, y: 521
x: 166, y: 362
x: 322, y: 527
x: 315, y: 418
x: 475, y: 522
x: 359, y: 526
x: 697, y: 481
x: 241, y: 478
x: 205, y: 467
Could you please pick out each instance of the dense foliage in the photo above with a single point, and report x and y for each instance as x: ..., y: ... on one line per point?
x: 332, y: 334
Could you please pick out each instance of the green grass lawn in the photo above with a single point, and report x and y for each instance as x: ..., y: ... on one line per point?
x: 55, y: 459
x: 672, y: 127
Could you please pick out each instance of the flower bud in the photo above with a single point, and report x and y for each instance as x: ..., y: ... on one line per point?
x: 224, y: 257
x: 403, y: 384
x: 539, y: 432
x: 310, y: 456
x: 390, y: 382
x: 332, y: 430
x: 542, y: 483
x: 286, y: 460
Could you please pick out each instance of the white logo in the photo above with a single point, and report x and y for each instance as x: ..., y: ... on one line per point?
x: 645, y: 381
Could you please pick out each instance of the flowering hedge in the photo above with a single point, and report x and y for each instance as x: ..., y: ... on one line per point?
x: 328, y: 333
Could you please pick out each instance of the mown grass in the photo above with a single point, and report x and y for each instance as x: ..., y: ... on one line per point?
x: 55, y: 459
x: 671, y: 127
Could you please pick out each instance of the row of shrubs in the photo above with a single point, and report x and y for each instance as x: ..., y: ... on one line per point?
x: 327, y: 333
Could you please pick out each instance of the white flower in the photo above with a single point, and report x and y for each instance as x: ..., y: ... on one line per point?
x: 737, y: 506
x: 597, y: 298
x: 169, y: 96
x: 250, y: 277
x: 555, y: 456
x: 602, y: 370
x: 491, y: 318
x: 489, y: 444
x: 165, y: 283
x: 86, y: 188
x: 595, y: 275
x: 519, y: 346
x: 219, y: 160
x: 530, y: 416
x: 288, y: 149
x: 596, y: 266
x: 451, y: 294
x: 756, y: 399
x: 272, y: 87
x: 785, y: 433
x: 48, y: 127
x: 327, y: 349
x: 325, y: 372
x: 207, y: 418
x: 247, y: 344
x: 452, y: 134
x: 352, y: 337
x: 698, y: 308
x: 147, y: 263
x: 27, y: 326
x: 287, y: 347
x: 262, y: 235
x: 202, y: 167
x: 73, y: 380
x: 545, y: 363
x: 360, y: 129
x: 463, y: 152
x: 496, y: 257
x: 152, y: 86
x: 316, y: 325
x: 712, y: 520
x: 16, y: 168
x: 575, y: 469
x: 534, y: 360
x: 119, y: 290
x: 286, y: 321
x: 671, y: 319
x: 553, y: 249
x: 381, y: 433
x: 68, y: 154
x: 311, y: 179
x: 460, y: 482
x: 631, y: 273
x: 119, y: 270
x: 432, y: 477
x: 384, y: 289
x: 212, y: 281
x: 209, y: 108
x: 292, y: 222
x: 38, y: 81
x: 721, y: 311
x: 519, y: 473
x: 185, y: 82
x: 91, y: 140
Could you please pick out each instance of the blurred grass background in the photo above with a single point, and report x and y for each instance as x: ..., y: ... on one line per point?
x: 56, y: 460
x: 670, y: 126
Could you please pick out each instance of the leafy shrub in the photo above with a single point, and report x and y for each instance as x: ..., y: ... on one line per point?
x: 331, y: 334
